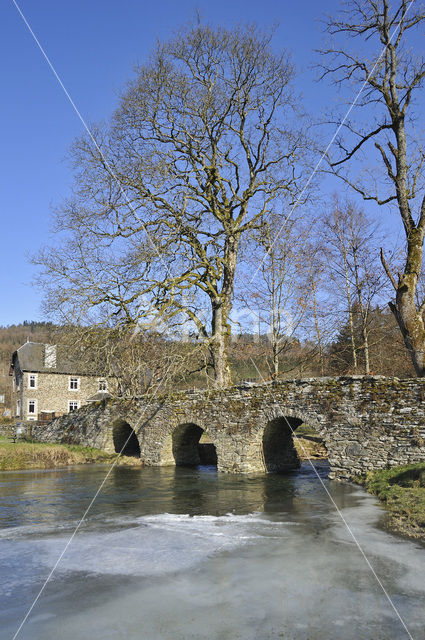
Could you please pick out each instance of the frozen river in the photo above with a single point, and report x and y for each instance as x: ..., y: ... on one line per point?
x: 190, y: 554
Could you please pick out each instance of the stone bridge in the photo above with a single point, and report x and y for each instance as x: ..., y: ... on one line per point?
x: 365, y: 422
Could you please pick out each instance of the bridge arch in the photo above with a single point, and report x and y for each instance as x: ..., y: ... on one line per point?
x: 125, y: 439
x: 273, y: 448
x: 183, y: 447
x: 279, y: 452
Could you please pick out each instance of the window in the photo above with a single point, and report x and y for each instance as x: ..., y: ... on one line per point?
x: 13, y: 384
x: 74, y: 384
x: 18, y: 383
x: 18, y: 409
x: 73, y: 405
x: 32, y: 381
x: 103, y: 385
x: 31, y: 407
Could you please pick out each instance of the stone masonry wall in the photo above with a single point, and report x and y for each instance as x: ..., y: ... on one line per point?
x: 366, y: 422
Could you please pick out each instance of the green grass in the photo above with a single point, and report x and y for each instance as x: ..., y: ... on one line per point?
x: 305, y: 430
x: 402, y: 489
x: 40, y: 455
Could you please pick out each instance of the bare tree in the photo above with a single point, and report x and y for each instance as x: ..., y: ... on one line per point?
x: 317, y: 272
x: 199, y: 150
x: 279, y: 295
x: 392, y: 76
x: 142, y: 361
x: 351, y: 242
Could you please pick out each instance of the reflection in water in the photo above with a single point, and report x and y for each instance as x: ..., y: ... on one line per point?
x: 176, y: 553
x: 48, y: 497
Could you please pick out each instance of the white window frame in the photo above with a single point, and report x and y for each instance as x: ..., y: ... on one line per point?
x: 18, y: 408
x: 13, y: 384
x: 32, y: 413
x: 73, y: 402
x: 102, y: 382
x: 32, y: 376
x: 70, y: 388
x: 18, y: 383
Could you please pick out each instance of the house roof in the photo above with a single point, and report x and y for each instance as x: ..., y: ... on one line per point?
x: 31, y: 357
x: 100, y: 395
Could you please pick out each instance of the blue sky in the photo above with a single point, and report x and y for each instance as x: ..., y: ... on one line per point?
x: 94, y: 46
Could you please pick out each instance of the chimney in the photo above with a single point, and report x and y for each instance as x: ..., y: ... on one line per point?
x: 50, y: 356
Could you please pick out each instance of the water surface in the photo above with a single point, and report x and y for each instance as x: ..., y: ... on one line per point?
x: 190, y: 554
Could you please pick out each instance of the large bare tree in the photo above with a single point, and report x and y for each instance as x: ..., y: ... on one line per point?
x: 202, y: 146
x: 385, y: 123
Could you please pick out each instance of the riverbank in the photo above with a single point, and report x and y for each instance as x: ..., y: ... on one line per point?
x: 309, y: 444
x: 40, y: 455
x: 402, y: 489
x: 310, y: 447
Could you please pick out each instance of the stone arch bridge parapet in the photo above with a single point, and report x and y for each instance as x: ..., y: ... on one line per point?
x: 366, y: 422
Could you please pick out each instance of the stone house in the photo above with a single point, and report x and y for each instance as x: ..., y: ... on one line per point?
x: 47, y: 383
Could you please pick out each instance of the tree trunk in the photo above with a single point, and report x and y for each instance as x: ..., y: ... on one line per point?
x: 275, y: 322
x: 221, y: 307
x: 409, y: 318
x: 317, y: 326
x: 364, y: 312
x: 412, y: 327
x: 366, y: 349
x: 275, y: 372
x: 350, y: 314
x: 219, y: 346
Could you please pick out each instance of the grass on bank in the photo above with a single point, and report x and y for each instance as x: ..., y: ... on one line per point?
x: 403, y: 491
x: 40, y: 455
